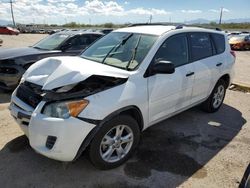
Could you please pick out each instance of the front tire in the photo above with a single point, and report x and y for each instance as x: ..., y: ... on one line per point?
x: 215, y: 100
x: 114, y: 142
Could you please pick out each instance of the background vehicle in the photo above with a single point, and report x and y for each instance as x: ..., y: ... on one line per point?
x: 8, y: 31
x: 122, y: 84
x: 240, y: 42
x: 15, y: 61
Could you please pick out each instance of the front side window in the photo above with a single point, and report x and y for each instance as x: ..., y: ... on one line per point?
x: 79, y: 42
x: 201, y: 46
x: 51, y: 42
x: 122, y: 50
x: 174, y: 49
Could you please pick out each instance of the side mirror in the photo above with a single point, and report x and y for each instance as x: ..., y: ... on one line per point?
x: 163, y: 67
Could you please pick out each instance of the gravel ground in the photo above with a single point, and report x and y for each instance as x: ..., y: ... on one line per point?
x: 22, y: 40
x: 192, y: 149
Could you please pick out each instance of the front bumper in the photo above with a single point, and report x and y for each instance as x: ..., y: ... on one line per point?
x: 67, y: 134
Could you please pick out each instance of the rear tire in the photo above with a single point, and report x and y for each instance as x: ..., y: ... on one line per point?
x: 114, y: 142
x: 215, y: 100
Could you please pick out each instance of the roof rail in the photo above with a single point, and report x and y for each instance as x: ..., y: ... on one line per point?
x: 179, y: 27
x: 142, y: 24
x: 218, y: 29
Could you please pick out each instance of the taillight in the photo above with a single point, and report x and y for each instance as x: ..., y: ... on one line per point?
x: 233, y: 53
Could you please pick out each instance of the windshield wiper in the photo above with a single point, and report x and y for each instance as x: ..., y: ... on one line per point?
x: 134, y: 53
x: 116, y: 47
x: 38, y: 48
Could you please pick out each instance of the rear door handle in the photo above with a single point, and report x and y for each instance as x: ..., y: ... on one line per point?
x: 218, y: 64
x: 189, y: 74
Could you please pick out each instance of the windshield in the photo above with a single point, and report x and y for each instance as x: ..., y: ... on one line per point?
x: 122, y: 50
x: 51, y: 42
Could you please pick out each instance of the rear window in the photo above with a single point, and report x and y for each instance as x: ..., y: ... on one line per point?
x: 201, y: 46
x: 219, y: 41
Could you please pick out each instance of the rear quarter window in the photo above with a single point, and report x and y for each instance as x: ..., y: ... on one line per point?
x: 219, y: 42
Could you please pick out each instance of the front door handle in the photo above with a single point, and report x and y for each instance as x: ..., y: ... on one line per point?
x: 189, y: 74
x: 218, y: 64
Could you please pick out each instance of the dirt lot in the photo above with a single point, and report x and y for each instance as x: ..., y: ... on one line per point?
x: 22, y: 40
x: 192, y: 149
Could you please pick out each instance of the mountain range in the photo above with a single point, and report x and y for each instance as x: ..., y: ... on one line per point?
x: 205, y: 21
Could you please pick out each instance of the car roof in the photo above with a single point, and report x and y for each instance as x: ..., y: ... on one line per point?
x: 78, y: 32
x: 161, y: 29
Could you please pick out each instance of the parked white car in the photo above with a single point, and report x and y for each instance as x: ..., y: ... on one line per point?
x: 125, y: 82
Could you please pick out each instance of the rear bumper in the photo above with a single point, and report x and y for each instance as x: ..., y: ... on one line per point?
x: 68, y: 134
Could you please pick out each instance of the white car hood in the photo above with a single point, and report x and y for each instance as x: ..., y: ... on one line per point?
x: 56, y: 72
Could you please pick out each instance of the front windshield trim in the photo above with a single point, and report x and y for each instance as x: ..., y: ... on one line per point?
x: 128, y: 34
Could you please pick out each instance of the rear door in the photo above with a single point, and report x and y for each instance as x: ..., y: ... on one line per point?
x: 207, y: 63
x: 169, y: 93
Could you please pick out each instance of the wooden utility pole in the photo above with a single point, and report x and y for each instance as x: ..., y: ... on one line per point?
x: 221, y: 12
x: 11, y: 8
x: 150, y: 18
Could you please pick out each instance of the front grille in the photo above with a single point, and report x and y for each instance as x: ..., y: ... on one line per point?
x: 51, y: 140
x: 8, y: 70
x: 29, y: 93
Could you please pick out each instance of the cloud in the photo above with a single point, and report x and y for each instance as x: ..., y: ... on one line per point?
x: 60, y: 1
x: 191, y: 11
x: 218, y: 10
x: 152, y: 11
x: 40, y: 11
x: 105, y: 8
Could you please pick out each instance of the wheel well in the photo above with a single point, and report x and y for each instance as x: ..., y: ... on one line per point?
x: 226, y: 78
x: 136, y: 114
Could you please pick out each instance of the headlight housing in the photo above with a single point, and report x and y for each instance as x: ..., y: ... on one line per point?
x: 65, y: 109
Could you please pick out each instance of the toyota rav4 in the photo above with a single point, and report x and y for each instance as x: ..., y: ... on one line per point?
x: 125, y: 82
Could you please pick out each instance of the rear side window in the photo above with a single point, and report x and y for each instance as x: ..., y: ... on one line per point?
x: 201, y: 46
x: 219, y: 41
x: 174, y: 49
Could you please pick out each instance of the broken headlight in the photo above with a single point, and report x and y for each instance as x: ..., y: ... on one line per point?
x: 65, y: 109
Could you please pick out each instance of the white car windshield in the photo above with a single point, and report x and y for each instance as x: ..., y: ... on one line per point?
x: 122, y: 50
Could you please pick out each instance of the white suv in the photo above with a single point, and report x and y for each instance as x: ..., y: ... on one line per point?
x: 125, y: 82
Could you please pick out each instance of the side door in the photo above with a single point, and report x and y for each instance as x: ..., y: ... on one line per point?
x: 169, y: 93
x: 207, y: 64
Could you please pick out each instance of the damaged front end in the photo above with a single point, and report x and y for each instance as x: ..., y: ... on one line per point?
x: 32, y: 94
x: 92, y: 85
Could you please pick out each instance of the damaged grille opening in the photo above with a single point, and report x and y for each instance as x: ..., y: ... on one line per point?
x: 30, y: 93
x: 8, y: 70
x: 90, y: 86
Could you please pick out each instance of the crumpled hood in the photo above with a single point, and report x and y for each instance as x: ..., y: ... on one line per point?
x: 10, y: 53
x: 56, y: 72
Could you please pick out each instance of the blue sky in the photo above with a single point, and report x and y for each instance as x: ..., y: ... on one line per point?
x: 121, y: 11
